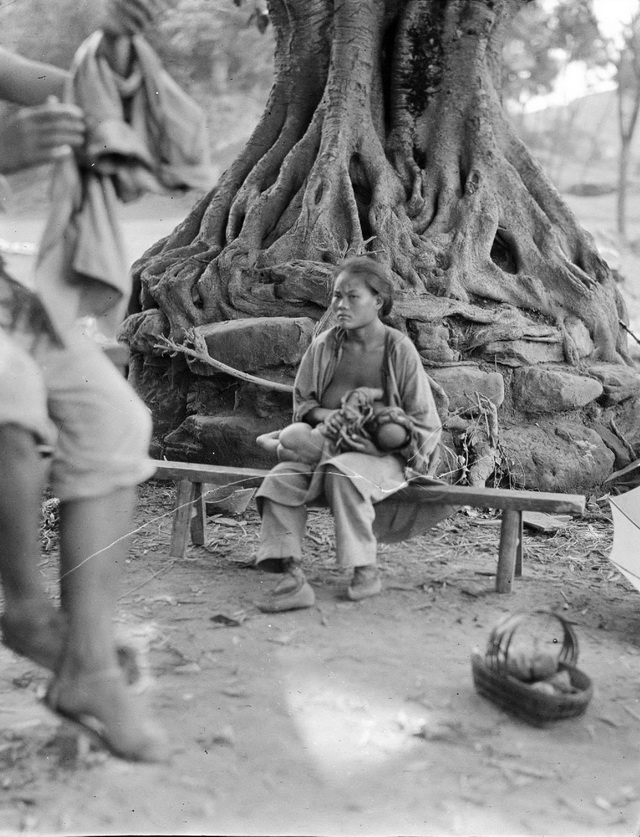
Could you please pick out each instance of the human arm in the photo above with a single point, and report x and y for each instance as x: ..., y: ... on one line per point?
x: 416, y: 399
x: 321, y: 415
x: 317, y: 365
x: 27, y: 82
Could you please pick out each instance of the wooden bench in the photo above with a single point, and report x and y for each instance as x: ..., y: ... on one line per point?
x: 189, y: 517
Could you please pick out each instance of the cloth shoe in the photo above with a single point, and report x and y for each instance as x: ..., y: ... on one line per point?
x: 366, y: 582
x: 293, y: 592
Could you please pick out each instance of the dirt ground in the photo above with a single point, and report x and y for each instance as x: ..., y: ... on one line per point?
x: 345, y: 719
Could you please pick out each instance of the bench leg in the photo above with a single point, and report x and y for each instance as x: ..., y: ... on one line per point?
x: 199, y: 516
x: 510, y: 540
x: 518, y: 568
x: 182, y: 519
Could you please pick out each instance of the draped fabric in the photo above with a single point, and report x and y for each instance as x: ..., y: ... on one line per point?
x: 143, y: 134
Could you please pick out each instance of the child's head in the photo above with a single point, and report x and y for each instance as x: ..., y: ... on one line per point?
x: 391, y: 436
x: 374, y: 275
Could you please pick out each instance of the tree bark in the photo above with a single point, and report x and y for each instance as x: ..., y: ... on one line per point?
x: 384, y: 134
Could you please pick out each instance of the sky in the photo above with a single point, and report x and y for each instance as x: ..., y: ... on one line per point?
x: 611, y: 13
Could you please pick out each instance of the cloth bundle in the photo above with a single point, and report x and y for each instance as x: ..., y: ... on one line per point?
x: 358, y: 416
x: 143, y: 134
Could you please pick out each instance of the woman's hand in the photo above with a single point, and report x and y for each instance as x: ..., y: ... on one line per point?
x: 358, y: 444
x: 332, y: 421
x: 40, y: 135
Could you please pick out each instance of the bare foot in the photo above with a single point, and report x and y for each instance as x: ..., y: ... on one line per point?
x: 102, y: 706
x: 269, y: 441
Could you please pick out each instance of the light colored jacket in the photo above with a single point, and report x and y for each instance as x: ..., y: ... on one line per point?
x: 405, y: 383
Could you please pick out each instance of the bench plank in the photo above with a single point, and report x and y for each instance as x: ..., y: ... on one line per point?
x: 219, y: 474
x: 189, y: 515
x: 457, y: 495
x: 491, y: 498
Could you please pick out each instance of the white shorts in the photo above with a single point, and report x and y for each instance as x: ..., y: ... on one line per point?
x: 75, y: 399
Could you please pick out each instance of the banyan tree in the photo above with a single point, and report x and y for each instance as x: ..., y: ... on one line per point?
x: 384, y: 133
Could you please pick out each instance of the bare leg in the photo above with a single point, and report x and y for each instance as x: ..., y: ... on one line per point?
x: 93, y: 547
x: 30, y: 624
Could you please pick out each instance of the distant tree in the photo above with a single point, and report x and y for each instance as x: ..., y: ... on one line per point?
x: 217, y: 45
x: 48, y: 31
x: 384, y: 132
x: 542, y: 40
x: 628, y: 95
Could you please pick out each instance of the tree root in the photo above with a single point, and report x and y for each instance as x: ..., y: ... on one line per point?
x: 441, y: 190
x: 201, y: 353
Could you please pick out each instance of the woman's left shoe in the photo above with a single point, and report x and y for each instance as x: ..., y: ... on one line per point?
x: 366, y: 582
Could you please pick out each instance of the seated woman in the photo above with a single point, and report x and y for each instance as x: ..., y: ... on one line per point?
x: 361, y: 351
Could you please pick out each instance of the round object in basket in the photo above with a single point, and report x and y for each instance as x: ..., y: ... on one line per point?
x: 529, y: 668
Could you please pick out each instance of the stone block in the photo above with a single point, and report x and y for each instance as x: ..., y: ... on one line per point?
x: 538, y: 390
x: 264, y: 403
x: 523, y: 352
x: 579, y: 334
x: 222, y: 440
x: 620, y: 382
x: 461, y: 383
x: 163, y: 391
x: 556, y: 457
x: 628, y: 422
x: 255, y: 343
x: 142, y: 331
x: 432, y: 341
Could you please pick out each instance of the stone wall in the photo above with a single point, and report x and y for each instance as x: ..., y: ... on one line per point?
x: 515, y: 410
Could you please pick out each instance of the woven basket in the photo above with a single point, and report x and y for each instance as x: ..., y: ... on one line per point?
x: 492, y: 680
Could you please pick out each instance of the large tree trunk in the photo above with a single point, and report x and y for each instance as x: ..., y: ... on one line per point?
x: 384, y: 134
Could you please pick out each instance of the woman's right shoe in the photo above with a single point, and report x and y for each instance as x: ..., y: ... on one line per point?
x: 293, y: 592
x: 366, y: 582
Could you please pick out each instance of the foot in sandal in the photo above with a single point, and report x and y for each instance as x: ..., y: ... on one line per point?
x: 100, y: 704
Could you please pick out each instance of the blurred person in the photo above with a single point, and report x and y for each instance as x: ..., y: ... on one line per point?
x: 60, y: 390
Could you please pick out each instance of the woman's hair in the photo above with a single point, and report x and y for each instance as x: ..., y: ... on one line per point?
x: 374, y: 275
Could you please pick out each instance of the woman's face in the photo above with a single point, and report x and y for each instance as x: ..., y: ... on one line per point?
x: 354, y: 303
